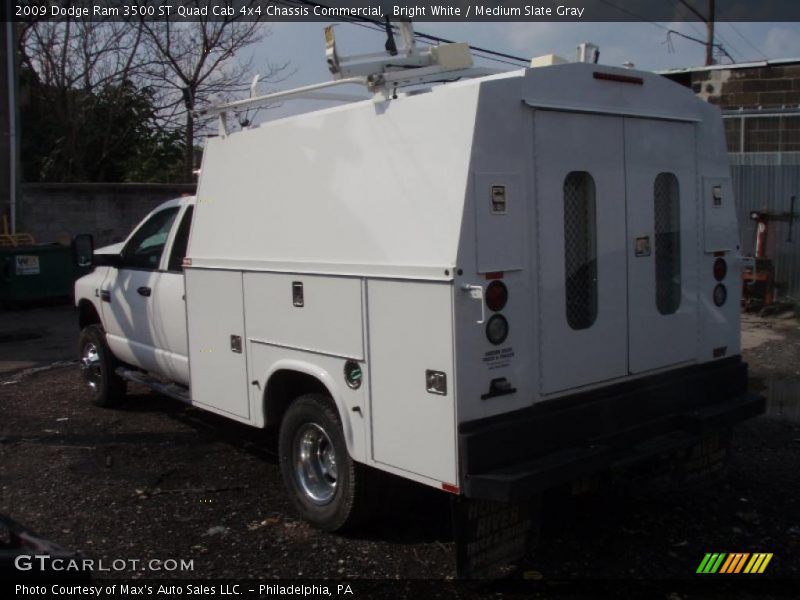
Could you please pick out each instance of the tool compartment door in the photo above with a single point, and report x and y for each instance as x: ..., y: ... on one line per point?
x: 410, y: 332
x: 215, y: 316
x: 661, y: 187
x: 581, y: 236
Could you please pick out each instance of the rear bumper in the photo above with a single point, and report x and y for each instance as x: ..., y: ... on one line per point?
x: 516, y: 455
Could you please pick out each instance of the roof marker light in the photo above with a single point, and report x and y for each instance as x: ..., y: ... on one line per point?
x: 618, y: 78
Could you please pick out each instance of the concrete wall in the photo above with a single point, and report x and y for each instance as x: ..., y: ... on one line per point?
x: 106, y: 210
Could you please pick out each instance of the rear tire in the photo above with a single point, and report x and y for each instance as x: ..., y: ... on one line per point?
x: 98, y: 367
x: 326, y: 486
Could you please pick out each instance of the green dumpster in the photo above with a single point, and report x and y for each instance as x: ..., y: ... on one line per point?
x: 37, y: 273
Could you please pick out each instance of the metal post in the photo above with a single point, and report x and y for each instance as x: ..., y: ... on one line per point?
x: 12, y: 124
x: 741, y: 134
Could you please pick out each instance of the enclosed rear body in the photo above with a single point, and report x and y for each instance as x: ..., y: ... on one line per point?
x: 599, y: 198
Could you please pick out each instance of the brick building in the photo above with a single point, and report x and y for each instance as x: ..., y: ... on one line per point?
x: 760, y: 102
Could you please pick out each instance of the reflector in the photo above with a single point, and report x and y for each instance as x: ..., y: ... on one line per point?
x: 497, y: 329
x: 720, y: 294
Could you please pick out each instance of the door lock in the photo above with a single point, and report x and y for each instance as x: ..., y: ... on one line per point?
x: 642, y: 246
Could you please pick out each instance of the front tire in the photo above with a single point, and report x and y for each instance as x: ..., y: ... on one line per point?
x: 326, y: 486
x: 98, y: 367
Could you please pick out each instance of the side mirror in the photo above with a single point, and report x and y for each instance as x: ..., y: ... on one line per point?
x: 83, y: 250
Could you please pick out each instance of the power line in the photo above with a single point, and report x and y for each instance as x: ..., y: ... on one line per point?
x: 679, y: 5
x: 746, y: 41
x: 634, y: 15
x: 710, y: 23
x: 372, y: 26
x: 699, y: 41
x: 426, y: 39
x: 727, y: 44
x: 667, y: 29
x: 696, y: 12
x: 417, y: 34
x: 475, y: 48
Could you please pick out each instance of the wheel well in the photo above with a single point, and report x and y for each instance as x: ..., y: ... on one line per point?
x: 87, y: 314
x: 283, y: 387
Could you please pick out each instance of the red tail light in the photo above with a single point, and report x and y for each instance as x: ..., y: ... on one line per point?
x: 720, y: 269
x: 496, y: 295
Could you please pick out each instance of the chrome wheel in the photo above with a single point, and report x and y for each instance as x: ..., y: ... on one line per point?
x: 315, y: 463
x: 91, y: 366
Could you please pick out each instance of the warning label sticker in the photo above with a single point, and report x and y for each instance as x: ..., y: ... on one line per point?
x: 27, y: 265
x: 497, y: 359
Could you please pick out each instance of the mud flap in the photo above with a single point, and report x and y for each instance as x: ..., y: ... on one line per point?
x: 490, y: 535
x: 703, y: 463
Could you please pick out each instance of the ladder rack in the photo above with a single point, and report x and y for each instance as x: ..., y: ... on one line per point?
x: 381, y: 73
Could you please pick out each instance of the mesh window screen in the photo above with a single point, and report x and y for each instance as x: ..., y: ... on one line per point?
x: 580, y: 249
x: 668, y: 243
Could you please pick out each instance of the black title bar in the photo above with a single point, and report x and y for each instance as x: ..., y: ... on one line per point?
x: 417, y: 10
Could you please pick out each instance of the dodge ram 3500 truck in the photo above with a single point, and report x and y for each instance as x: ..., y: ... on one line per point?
x: 492, y: 286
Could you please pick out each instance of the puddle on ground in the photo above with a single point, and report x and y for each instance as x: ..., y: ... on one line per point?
x: 783, y: 397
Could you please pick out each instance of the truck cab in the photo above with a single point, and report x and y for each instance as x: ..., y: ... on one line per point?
x: 136, y: 293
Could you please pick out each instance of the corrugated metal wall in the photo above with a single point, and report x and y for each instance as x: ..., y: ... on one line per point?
x: 769, y: 187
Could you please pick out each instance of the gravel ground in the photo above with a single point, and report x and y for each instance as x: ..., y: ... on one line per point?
x: 157, y: 480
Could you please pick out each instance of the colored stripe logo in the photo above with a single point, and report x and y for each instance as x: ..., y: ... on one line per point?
x: 734, y: 562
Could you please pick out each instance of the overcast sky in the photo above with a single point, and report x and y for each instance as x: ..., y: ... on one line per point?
x: 644, y: 44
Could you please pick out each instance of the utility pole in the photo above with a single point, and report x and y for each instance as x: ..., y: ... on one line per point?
x: 709, y: 21
x: 710, y: 31
x: 8, y: 123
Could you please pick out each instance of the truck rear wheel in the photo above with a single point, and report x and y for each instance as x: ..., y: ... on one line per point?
x: 325, y: 485
x: 98, y: 367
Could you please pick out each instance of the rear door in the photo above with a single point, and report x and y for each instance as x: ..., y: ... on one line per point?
x: 581, y: 234
x: 617, y: 243
x: 662, y: 243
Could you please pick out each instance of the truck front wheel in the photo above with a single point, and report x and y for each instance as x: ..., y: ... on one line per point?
x: 326, y: 487
x: 97, y: 367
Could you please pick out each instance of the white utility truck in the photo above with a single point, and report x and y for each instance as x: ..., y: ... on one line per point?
x: 492, y: 286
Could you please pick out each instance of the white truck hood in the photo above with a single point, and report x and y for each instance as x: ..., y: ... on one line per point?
x: 110, y: 249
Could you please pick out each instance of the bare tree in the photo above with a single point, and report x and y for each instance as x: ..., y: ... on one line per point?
x: 72, y: 63
x: 199, y: 62
x: 160, y: 71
